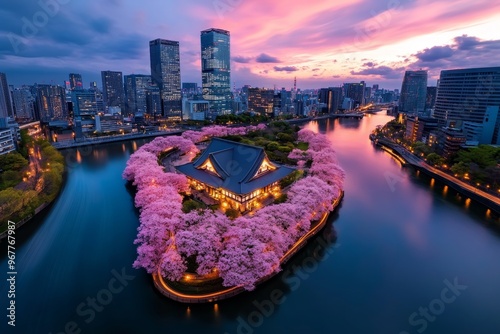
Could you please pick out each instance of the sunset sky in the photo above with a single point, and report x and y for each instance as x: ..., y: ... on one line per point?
x: 322, y: 43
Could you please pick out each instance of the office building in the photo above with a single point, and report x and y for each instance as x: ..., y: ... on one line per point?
x: 419, y: 128
x: 356, y: 92
x: 331, y: 97
x: 112, y: 88
x: 413, y: 92
x: 23, y: 103
x: 153, y: 101
x: 5, y: 101
x: 84, y: 103
x: 216, y: 69
x: 51, y: 103
x: 75, y: 81
x: 261, y: 101
x: 166, y: 74
x: 136, y: 87
x: 430, y: 100
x: 470, y: 95
x: 195, y: 110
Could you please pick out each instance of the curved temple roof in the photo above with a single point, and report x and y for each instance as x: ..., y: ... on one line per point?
x: 235, y: 167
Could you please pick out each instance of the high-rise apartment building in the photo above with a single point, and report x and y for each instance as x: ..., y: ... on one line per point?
x: 136, y: 87
x: 112, y: 89
x: 5, y: 101
x: 470, y: 96
x: 166, y: 74
x: 413, y: 92
x: 216, y: 69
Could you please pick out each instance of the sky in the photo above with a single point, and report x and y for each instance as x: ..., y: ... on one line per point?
x: 323, y: 43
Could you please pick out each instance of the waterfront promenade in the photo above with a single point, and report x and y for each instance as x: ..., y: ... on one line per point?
x: 487, y: 199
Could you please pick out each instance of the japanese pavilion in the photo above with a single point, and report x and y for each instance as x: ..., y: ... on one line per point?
x: 236, y: 175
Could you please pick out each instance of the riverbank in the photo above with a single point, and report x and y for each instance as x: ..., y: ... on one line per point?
x: 162, y: 285
x: 41, y: 185
x: 408, y: 159
x: 111, y: 139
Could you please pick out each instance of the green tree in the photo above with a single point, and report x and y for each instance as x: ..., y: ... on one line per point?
x: 460, y: 168
x: 434, y: 159
x: 12, y: 161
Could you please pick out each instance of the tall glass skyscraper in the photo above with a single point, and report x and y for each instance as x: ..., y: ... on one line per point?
x: 413, y: 92
x: 216, y: 69
x: 470, y: 96
x: 112, y: 88
x: 166, y: 74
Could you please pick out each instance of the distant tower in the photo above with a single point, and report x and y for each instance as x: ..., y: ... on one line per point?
x: 413, y: 92
x: 75, y: 81
x: 112, y: 86
x: 166, y: 74
x: 216, y: 69
x: 294, y: 90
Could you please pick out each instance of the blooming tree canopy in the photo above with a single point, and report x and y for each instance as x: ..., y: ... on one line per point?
x: 244, y: 250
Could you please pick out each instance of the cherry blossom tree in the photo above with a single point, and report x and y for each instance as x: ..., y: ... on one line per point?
x: 245, y: 250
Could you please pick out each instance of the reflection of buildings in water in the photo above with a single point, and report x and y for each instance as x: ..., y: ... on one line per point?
x: 349, y: 123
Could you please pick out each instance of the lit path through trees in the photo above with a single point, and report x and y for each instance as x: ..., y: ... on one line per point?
x: 169, y: 292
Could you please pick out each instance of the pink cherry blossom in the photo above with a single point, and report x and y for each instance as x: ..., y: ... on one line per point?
x: 245, y: 250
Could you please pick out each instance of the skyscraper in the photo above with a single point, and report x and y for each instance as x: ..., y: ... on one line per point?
x: 23, y: 102
x: 166, y: 74
x: 51, y: 102
x: 112, y: 88
x: 356, y: 92
x: 470, y: 95
x: 5, y: 101
x: 136, y: 86
x: 413, y: 92
x: 216, y: 69
x: 75, y: 81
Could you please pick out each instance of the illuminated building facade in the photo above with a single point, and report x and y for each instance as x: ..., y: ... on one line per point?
x: 216, y: 69
x: 236, y: 175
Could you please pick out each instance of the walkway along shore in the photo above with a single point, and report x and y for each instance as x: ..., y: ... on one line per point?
x: 490, y: 201
x: 171, y: 293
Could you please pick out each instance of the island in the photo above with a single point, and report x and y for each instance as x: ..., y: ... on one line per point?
x: 222, y: 209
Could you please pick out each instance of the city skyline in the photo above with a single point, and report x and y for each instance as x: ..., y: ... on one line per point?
x: 375, y: 42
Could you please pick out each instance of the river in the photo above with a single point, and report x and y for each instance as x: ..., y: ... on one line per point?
x: 402, y: 254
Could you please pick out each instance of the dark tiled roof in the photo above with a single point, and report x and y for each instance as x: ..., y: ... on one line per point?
x: 236, y: 165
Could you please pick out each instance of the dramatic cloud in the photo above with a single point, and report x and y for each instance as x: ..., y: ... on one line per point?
x: 90, y: 36
x: 465, y: 42
x: 242, y: 60
x: 435, y: 53
x: 465, y: 52
x: 285, y: 69
x: 382, y: 71
x: 265, y: 58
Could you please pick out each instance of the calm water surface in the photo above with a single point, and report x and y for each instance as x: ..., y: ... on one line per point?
x: 384, y: 264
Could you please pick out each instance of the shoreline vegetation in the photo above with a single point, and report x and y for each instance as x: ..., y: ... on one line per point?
x: 438, y: 167
x: 203, y: 250
x: 31, y: 178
